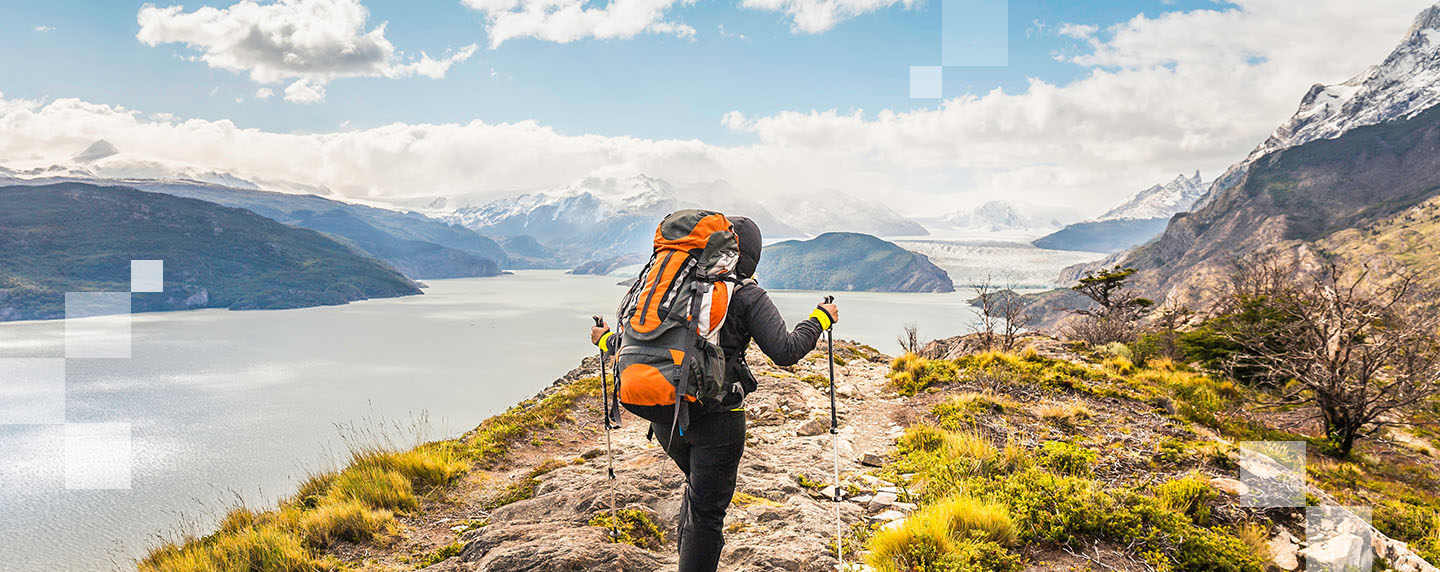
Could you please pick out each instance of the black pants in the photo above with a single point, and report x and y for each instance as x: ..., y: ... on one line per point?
x: 709, y: 455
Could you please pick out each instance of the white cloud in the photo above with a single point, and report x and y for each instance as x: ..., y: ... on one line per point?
x: 816, y: 16
x: 308, y: 42
x: 264, y: 93
x: 305, y: 91
x: 1166, y: 95
x: 42, y: 29
x: 565, y: 21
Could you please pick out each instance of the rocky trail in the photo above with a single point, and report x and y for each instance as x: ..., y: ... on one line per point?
x: 534, y: 510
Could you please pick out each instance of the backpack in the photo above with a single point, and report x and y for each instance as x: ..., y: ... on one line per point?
x: 669, y: 322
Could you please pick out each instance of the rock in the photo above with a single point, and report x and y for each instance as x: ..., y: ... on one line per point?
x: 883, y: 500
x: 905, y: 506
x: 813, y: 427
x: 1233, y: 487
x: 872, y: 460
x: 897, y: 523
x: 1340, y: 552
x: 887, y: 516
x: 829, y: 492
x: 888, y: 489
x: 862, y: 499
x: 459, y: 528
x: 1283, y: 551
x: 871, y: 480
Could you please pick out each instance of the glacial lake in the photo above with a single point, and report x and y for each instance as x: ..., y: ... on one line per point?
x: 239, y: 405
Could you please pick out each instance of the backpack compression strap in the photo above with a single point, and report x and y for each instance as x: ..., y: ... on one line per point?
x: 692, y: 343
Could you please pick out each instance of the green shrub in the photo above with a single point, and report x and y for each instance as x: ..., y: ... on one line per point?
x: 1189, y: 495
x: 911, y: 374
x: 1067, y: 458
x: 955, y: 534
x: 440, y: 555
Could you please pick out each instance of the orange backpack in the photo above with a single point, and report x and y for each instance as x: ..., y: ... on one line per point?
x: 669, y: 322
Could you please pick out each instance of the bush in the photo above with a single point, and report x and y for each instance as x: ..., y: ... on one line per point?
x: 376, y: 487
x: 244, y: 550
x: 1189, y: 495
x: 1067, y: 458
x: 956, y: 534
x: 911, y: 374
x: 350, y: 521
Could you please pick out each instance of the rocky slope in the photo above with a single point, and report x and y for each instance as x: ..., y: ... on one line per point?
x: 536, y: 496
x: 75, y: 237
x: 849, y: 262
x: 1159, y: 201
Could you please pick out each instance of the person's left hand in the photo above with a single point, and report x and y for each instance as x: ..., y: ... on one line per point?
x: 597, y: 331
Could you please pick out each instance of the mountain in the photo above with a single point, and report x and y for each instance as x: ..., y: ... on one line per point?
x: 851, y: 262
x: 1137, y: 220
x: 416, y: 245
x: 833, y: 211
x: 1000, y: 216
x: 1159, y: 201
x: 76, y: 237
x: 596, y: 220
x: 1401, y: 87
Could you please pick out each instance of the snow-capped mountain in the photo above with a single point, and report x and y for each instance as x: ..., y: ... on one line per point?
x: 1001, y: 216
x: 833, y: 211
x: 1402, y: 86
x: 1159, y: 201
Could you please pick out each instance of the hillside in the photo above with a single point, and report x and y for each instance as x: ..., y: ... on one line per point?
x: 1289, y: 199
x: 75, y: 237
x: 416, y: 245
x: 1103, y: 235
x: 1070, y: 461
x: 849, y: 262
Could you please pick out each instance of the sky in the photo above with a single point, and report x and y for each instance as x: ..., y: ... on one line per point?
x: 397, y: 102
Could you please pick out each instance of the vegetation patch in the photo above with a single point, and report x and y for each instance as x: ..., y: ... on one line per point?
x: 491, y: 442
x: 634, y: 527
x: 440, y: 555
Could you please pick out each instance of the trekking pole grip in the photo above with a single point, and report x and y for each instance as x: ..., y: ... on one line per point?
x: 599, y: 322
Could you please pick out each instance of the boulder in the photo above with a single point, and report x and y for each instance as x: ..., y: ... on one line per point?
x: 815, y: 426
x: 1233, y: 487
x: 1284, y: 552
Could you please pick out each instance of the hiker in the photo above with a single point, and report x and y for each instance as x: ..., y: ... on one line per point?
x: 708, y: 450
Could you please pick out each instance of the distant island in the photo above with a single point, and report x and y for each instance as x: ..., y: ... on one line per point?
x: 849, y: 261
x: 76, y: 237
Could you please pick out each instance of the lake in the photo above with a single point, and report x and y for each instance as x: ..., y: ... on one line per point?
x: 239, y: 405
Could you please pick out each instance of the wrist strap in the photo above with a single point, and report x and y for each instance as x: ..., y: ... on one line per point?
x: 823, y: 317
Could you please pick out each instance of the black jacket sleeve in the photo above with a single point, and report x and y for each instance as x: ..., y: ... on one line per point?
x: 768, y: 330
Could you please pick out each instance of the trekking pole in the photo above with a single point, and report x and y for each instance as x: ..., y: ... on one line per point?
x: 609, y: 452
x: 834, y: 438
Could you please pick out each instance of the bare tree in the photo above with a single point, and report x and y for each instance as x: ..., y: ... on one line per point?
x: 909, y: 339
x: 1357, y: 353
x: 1013, y: 316
x: 988, y: 303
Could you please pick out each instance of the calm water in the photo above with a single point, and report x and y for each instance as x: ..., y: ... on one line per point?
x: 228, y: 405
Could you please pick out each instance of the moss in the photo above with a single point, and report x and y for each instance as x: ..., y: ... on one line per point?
x: 817, y: 381
x: 524, y: 488
x: 635, y: 527
x: 746, y: 499
x: 440, y: 555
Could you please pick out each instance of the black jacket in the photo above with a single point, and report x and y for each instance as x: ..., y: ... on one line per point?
x: 752, y: 316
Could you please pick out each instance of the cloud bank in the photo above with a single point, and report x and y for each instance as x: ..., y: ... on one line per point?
x: 1163, y: 95
x: 308, y: 42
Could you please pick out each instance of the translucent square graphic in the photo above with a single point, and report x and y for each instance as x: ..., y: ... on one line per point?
x: 1338, y: 539
x: 925, y: 82
x: 98, y: 456
x: 147, y: 275
x: 975, y: 33
x: 32, y: 391
x: 97, y: 324
x: 1273, y: 473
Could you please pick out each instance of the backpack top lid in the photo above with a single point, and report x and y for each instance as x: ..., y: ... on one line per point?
x: 690, y: 229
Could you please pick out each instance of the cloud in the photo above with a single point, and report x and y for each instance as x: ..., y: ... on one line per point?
x: 43, y: 29
x: 264, y: 93
x: 816, y: 16
x: 1162, y: 95
x: 565, y: 21
x: 305, y: 91
x: 307, y: 42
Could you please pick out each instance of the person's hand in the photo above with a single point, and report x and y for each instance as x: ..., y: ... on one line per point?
x: 597, y: 331
x: 833, y: 310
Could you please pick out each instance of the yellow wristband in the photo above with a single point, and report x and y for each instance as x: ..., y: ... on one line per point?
x: 821, y: 317
x: 604, y: 346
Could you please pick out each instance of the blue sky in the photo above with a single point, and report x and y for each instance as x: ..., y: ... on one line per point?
x: 652, y: 86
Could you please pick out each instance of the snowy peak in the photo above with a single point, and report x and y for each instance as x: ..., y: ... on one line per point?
x: 1160, y: 201
x: 834, y: 211
x: 1000, y: 216
x: 1406, y: 83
